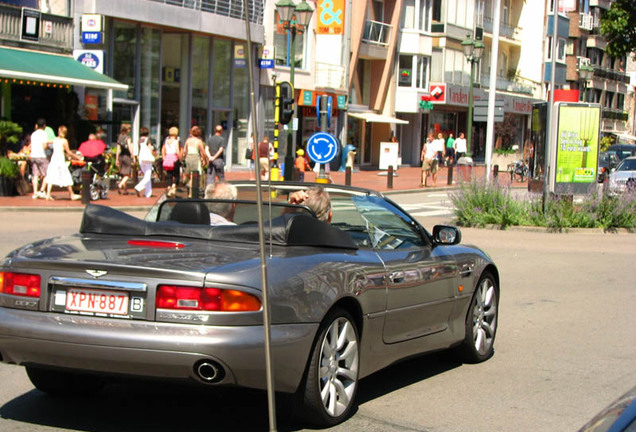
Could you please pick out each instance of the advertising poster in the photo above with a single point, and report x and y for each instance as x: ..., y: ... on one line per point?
x: 578, y: 136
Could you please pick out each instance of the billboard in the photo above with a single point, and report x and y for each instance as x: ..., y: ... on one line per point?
x: 577, y: 146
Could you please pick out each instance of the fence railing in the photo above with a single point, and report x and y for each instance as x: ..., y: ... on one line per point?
x: 376, y: 32
x: 228, y: 8
x: 329, y: 76
x: 55, y: 31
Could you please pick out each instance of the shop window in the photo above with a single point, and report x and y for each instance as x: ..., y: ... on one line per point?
x: 200, y: 82
x: 222, y: 71
x: 124, y: 57
x: 150, y: 80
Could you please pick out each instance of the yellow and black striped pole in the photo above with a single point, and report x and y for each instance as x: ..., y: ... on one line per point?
x: 274, y: 173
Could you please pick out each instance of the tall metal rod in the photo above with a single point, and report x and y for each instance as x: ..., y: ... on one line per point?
x: 269, y: 369
x: 469, y: 131
x: 492, y: 91
x: 289, y: 156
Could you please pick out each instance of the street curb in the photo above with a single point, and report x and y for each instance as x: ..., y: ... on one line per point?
x: 68, y: 209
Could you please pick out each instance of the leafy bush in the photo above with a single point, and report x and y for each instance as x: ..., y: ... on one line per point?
x: 479, y: 203
x: 8, y: 168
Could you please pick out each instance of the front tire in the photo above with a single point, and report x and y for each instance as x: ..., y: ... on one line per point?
x: 481, y: 321
x: 331, y: 383
x: 63, y: 383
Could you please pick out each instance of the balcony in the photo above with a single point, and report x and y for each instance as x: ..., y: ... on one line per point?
x: 376, y: 33
x: 56, y: 32
x: 228, y: 8
x: 375, y: 40
x: 586, y: 22
x: 505, y: 30
x: 611, y: 74
x: 603, y: 4
x: 519, y: 85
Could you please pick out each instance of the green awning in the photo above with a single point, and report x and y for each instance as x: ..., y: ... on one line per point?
x: 52, y: 68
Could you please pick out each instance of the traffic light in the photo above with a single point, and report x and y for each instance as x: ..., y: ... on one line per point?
x: 286, y: 103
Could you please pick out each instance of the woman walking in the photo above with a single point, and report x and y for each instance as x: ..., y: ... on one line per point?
x: 171, y: 155
x: 146, y: 161
x: 124, y: 158
x: 57, y: 173
x: 194, y: 154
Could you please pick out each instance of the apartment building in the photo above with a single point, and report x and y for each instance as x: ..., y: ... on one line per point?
x: 181, y: 63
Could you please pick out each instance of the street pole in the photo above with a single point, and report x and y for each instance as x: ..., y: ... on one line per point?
x: 469, y: 131
x: 289, y: 157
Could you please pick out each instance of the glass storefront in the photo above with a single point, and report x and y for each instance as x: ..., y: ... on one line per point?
x: 221, y: 73
x: 200, y: 82
x: 241, y: 114
x: 149, y: 90
x: 124, y: 56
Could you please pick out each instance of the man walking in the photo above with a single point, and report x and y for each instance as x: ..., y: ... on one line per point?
x: 215, y: 150
x: 39, y: 163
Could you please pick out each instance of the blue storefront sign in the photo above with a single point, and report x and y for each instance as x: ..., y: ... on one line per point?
x: 91, y: 37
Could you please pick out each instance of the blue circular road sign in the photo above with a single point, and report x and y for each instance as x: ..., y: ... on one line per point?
x: 322, y: 147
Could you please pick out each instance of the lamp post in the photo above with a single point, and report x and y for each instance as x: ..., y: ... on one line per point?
x: 473, y: 51
x: 295, y: 18
x: 585, y: 73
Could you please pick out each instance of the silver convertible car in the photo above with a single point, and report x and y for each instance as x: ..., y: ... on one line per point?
x: 172, y: 297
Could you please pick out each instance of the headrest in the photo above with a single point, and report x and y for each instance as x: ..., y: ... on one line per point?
x: 194, y: 213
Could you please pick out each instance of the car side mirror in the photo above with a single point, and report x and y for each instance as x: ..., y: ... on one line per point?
x: 446, y: 235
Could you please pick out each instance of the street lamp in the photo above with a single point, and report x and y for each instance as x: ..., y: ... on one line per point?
x: 295, y: 18
x: 473, y: 50
x: 585, y: 73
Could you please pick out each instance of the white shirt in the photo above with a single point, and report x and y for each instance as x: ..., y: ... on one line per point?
x: 216, y: 219
x: 38, y: 144
x: 430, y: 150
x: 460, y: 145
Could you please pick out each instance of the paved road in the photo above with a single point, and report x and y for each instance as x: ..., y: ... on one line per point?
x: 565, y: 348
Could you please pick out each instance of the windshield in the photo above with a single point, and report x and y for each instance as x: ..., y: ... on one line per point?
x: 627, y: 165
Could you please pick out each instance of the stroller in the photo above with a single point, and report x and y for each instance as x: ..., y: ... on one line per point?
x: 99, y: 184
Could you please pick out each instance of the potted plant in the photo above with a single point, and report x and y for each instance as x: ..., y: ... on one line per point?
x: 8, y: 173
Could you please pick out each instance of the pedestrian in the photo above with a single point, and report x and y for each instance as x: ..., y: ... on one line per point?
x: 146, y: 161
x: 302, y: 164
x: 193, y: 153
x: 264, y: 148
x: 249, y: 156
x: 39, y: 162
x: 124, y: 158
x: 215, y: 150
x: 460, y: 147
x: 57, y: 173
x: 171, y: 156
x: 429, y: 163
x: 450, y: 149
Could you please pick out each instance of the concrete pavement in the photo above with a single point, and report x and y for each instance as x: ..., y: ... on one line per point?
x: 406, y: 179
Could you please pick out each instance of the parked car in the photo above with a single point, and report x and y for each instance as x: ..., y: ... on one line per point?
x: 623, y: 150
x: 174, y: 298
x: 606, y: 161
x: 623, y: 177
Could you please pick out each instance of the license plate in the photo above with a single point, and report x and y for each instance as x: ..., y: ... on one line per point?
x: 97, y: 301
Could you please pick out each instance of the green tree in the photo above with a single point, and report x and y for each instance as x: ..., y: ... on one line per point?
x: 618, y: 26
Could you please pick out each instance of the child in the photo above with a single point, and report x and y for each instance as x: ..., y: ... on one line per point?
x: 301, y: 164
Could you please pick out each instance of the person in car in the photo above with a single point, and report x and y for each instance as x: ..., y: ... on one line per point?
x: 221, y: 213
x: 317, y: 199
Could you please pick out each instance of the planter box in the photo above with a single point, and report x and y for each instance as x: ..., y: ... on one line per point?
x: 7, y: 186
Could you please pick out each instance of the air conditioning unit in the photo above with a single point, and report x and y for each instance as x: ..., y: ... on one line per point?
x: 582, y: 61
x: 586, y: 21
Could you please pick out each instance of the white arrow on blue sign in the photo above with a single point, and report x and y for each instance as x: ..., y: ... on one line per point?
x: 322, y: 147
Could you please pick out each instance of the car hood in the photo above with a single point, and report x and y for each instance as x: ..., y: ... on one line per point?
x: 622, y: 175
x: 189, y: 255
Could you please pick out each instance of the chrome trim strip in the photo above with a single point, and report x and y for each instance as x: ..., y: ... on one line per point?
x: 91, y: 283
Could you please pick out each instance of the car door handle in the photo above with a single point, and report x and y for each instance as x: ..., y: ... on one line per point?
x: 466, y: 269
x: 397, y: 276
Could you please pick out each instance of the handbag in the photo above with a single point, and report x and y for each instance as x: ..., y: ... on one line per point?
x: 169, y: 161
x: 249, y: 153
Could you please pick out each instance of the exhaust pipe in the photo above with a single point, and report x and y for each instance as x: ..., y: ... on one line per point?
x: 209, y: 371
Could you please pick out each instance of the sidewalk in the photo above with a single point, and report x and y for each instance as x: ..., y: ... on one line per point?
x: 408, y: 179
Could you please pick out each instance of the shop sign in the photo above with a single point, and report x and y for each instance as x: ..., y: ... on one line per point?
x: 438, y: 93
x: 30, y: 25
x: 341, y: 101
x: 91, y: 37
x: 331, y: 17
x: 93, y: 59
x: 308, y: 97
x: 266, y: 58
x: 91, y: 23
x: 239, y: 56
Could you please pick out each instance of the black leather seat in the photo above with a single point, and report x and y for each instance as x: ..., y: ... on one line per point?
x: 195, y: 213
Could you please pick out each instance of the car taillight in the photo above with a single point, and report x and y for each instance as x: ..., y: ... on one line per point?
x: 205, y: 299
x: 21, y: 284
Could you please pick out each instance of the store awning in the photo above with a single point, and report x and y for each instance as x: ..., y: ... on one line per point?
x: 16, y: 64
x: 372, y: 117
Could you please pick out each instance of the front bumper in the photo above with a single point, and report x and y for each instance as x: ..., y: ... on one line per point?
x: 154, y: 349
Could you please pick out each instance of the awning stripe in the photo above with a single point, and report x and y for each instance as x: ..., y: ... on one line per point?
x: 37, y: 66
x: 372, y: 117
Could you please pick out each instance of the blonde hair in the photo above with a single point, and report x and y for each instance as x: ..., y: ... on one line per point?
x: 61, y: 131
x: 173, y: 131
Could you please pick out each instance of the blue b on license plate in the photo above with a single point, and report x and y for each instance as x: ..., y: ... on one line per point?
x: 97, y: 301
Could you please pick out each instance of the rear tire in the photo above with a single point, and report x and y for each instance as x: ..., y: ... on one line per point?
x: 330, y: 385
x: 63, y: 383
x: 481, y: 321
